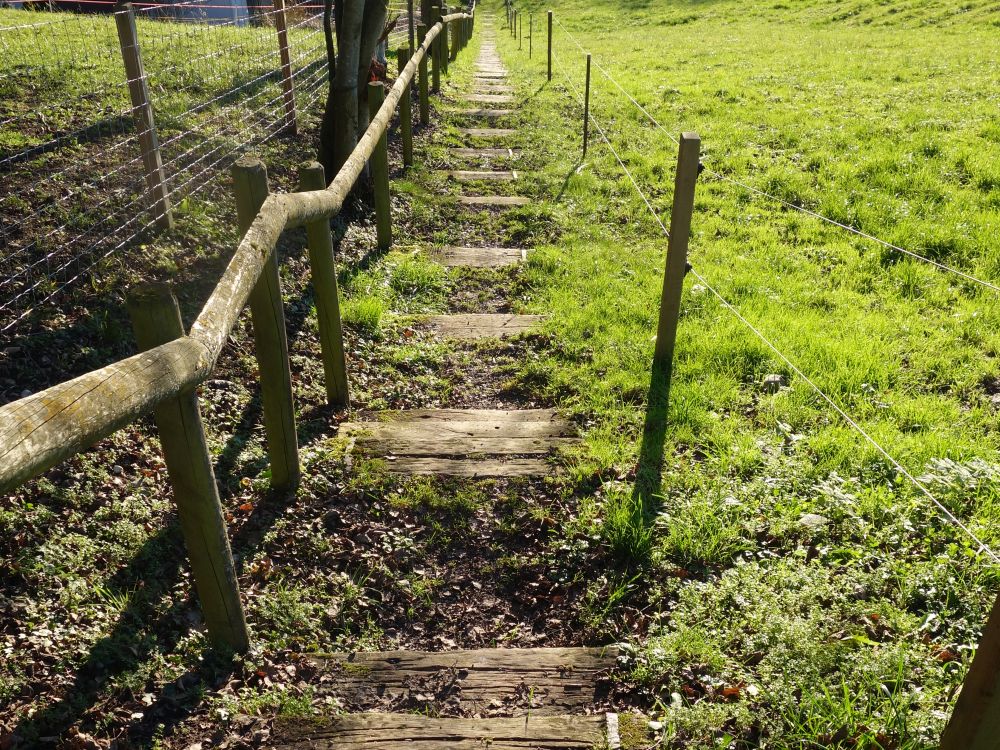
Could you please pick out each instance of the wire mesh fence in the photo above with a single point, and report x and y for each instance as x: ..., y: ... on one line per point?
x: 74, y: 184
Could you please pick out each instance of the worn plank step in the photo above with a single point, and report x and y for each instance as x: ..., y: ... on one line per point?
x: 471, y: 175
x: 486, y: 112
x: 483, y: 325
x: 478, y: 257
x: 500, y: 681
x: 463, y: 442
x: 488, y: 132
x: 489, y: 98
x: 415, y: 732
x: 492, y: 88
x: 486, y: 153
x: 492, y: 75
x: 493, y: 201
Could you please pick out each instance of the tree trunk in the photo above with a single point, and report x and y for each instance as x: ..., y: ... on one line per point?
x: 359, y: 24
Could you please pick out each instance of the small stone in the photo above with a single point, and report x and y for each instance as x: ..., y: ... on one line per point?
x: 25, y: 393
x: 772, y: 383
x: 813, y: 520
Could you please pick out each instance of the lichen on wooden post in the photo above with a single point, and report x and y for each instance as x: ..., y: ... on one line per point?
x: 379, y: 165
x: 405, y: 110
x: 423, y: 85
x: 324, y: 279
x: 156, y: 320
x: 270, y: 337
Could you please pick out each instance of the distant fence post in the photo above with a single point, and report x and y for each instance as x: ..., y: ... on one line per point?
x: 435, y: 51
x: 685, y: 180
x: 270, y: 338
x: 411, y: 29
x: 456, y: 34
x: 405, y: 110
x: 550, y: 46
x: 324, y: 279
x: 586, y: 109
x: 287, y: 82
x: 157, y: 194
x: 379, y: 165
x: 520, y: 30
x: 531, y: 32
x: 975, y: 721
x: 423, y: 84
x: 443, y: 39
x: 156, y: 320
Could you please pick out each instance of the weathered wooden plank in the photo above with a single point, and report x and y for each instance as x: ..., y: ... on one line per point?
x: 393, y: 432
x: 416, y: 732
x: 478, y: 257
x: 471, y: 175
x: 492, y: 88
x: 493, y: 201
x: 489, y: 98
x: 462, y: 446
x: 483, y: 325
x: 487, y: 132
x: 542, y: 681
x: 487, y: 153
x: 451, y: 467
x: 473, y: 415
x: 486, y: 112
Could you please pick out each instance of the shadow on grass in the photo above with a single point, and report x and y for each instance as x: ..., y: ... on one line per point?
x: 649, y: 470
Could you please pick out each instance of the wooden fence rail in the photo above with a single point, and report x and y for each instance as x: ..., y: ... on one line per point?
x: 41, y: 430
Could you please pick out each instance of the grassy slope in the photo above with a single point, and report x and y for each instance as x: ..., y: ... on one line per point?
x: 882, y: 115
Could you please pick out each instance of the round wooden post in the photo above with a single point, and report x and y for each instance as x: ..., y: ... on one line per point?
x: 443, y: 39
x: 405, y: 110
x: 287, y: 78
x: 270, y: 339
x: 423, y: 86
x: 531, y: 32
x: 435, y: 52
x: 156, y: 320
x: 324, y: 278
x: 379, y: 166
x: 680, y: 227
x: 586, y: 109
x: 550, y: 46
x: 520, y: 31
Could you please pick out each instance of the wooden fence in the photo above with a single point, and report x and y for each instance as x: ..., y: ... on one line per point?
x: 41, y: 430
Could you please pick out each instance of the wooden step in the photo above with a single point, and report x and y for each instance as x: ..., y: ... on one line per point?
x: 485, y: 112
x: 486, y: 153
x: 491, y: 75
x: 489, y: 98
x: 478, y: 257
x: 463, y: 442
x: 493, y: 201
x: 488, y: 132
x: 415, y: 732
x: 483, y: 682
x: 483, y: 325
x: 471, y: 175
x: 489, y: 88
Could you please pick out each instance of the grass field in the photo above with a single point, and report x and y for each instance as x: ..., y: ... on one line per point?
x: 771, y: 631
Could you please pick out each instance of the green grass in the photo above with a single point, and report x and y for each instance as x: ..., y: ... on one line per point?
x: 874, y: 114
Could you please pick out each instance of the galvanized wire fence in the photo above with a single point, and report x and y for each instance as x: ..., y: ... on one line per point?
x: 75, y: 176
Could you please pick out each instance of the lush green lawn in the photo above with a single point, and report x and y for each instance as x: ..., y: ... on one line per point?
x: 882, y: 116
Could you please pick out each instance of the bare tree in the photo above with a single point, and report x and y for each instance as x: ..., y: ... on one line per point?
x: 357, y: 25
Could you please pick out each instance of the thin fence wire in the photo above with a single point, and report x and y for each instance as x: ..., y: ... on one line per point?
x: 786, y: 204
x: 72, y: 177
x: 945, y: 512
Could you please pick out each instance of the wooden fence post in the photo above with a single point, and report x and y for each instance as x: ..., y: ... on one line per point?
x: 443, y: 39
x: 270, y: 338
x: 531, y: 32
x: 586, y: 109
x: 423, y: 84
x: 156, y: 320
x: 324, y: 279
x: 287, y: 82
x: 379, y: 166
x: 405, y: 111
x: 435, y: 52
x: 550, y: 46
x: 456, y: 35
x: 520, y: 31
x: 975, y: 721
x: 410, y: 26
x: 157, y: 194
x: 685, y: 180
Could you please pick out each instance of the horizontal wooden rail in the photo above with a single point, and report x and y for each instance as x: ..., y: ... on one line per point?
x: 41, y: 430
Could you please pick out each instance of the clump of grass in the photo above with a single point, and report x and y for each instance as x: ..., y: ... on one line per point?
x: 364, y: 314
